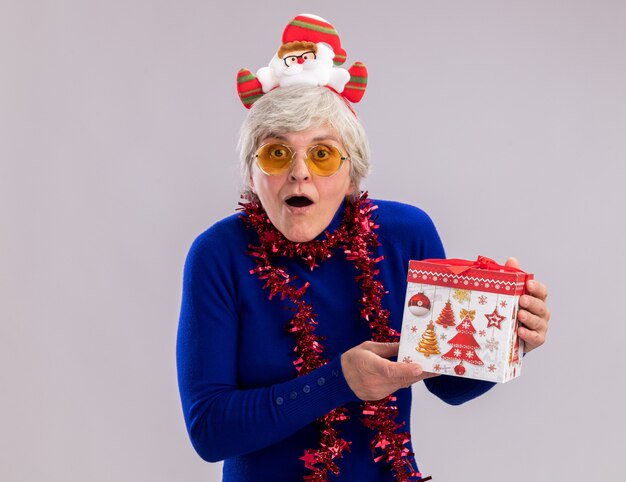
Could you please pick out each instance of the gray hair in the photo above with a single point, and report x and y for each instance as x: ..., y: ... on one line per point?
x: 297, y: 108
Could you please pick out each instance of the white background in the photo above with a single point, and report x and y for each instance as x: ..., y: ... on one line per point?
x: 504, y: 120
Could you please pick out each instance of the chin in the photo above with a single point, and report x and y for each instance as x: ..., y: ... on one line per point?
x: 300, y: 235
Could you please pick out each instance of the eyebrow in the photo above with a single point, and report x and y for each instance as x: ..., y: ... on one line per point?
x: 325, y: 138
x: 315, y: 139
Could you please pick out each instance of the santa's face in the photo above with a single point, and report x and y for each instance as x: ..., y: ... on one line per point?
x: 299, y: 204
x: 297, y: 61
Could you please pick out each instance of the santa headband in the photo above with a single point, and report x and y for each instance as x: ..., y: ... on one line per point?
x: 310, y: 54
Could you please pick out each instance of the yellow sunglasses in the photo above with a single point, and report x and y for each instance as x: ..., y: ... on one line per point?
x: 321, y: 159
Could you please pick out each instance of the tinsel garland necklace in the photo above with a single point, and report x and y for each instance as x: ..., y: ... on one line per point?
x: 356, y: 237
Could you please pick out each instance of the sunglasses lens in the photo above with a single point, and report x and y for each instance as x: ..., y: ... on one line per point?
x: 324, y: 160
x: 274, y: 158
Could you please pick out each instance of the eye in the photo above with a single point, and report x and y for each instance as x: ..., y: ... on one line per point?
x: 278, y: 152
x: 321, y: 153
x: 308, y: 56
x: 291, y: 59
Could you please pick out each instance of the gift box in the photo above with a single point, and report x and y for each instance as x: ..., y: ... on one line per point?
x: 460, y: 318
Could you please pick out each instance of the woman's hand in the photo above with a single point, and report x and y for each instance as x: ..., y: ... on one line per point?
x: 372, y: 377
x: 533, y: 314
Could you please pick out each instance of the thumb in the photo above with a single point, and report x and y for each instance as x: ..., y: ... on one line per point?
x: 403, y: 371
x: 512, y: 263
x: 384, y: 350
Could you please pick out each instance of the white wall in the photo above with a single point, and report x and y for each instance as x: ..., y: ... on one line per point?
x: 504, y: 120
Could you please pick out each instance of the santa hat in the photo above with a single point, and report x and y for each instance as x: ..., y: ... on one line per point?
x: 311, y: 28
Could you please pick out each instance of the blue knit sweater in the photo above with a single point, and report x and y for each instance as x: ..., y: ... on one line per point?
x: 242, y: 400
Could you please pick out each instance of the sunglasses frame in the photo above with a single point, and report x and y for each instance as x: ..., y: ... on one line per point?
x: 307, y: 161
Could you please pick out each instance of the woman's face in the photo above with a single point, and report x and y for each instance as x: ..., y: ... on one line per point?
x: 300, y: 204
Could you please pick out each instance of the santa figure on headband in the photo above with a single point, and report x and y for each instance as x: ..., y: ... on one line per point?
x: 310, y: 54
x: 303, y: 63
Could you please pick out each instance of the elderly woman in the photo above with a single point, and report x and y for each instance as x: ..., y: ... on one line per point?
x: 276, y: 368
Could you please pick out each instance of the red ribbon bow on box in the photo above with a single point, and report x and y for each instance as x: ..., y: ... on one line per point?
x: 458, y: 266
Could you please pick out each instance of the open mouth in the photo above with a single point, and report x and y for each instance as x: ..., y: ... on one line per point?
x: 299, y: 201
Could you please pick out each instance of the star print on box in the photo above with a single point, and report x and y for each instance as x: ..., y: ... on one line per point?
x: 494, y: 319
x: 476, y: 304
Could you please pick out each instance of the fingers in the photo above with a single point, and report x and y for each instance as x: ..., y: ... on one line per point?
x: 537, y: 289
x: 512, y: 263
x: 371, y: 376
x: 394, y: 373
x: 533, y: 315
x: 533, y: 287
x: 534, y: 306
x: 532, y: 322
x: 404, y: 373
x: 385, y: 350
x: 532, y: 338
x: 398, y: 375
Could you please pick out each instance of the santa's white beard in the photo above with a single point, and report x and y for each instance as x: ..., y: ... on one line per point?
x: 294, y: 69
x: 308, y: 73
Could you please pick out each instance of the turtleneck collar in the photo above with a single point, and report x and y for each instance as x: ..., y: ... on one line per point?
x: 334, y: 222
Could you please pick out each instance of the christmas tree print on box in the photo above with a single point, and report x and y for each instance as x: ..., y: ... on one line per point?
x: 460, y: 318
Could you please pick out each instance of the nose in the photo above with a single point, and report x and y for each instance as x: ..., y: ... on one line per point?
x: 299, y: 170
x: 300, y: 60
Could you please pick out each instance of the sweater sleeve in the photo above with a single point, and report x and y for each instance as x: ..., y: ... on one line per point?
x: 455, y: 390
x: 224, y: 420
